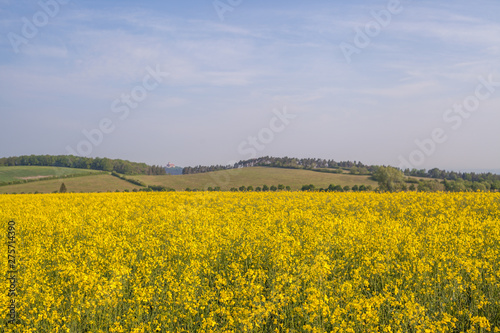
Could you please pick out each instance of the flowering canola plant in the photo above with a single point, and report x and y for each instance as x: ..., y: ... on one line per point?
x: 254, y: 262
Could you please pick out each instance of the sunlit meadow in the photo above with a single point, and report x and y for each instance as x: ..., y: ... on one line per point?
x: 254, y: 262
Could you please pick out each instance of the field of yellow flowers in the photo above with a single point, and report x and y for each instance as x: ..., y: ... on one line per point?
x: 253, y: 262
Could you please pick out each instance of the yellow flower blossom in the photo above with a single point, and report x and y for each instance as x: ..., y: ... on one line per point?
x: 254, y: 262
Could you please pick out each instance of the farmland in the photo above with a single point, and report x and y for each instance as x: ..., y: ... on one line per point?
x: 256, y: 176
x: 97, y: 181
x: 255, y: 262
x: 90, y: 183
x: 17, y: 173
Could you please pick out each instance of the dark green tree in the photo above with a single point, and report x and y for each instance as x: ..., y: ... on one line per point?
x: 338, y: 188
x: 63, y: 189
x: 309, y: 187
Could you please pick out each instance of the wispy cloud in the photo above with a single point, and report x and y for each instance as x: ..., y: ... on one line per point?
x: 229, y: 75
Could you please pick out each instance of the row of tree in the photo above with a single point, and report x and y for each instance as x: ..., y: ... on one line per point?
x: 70, y: 161
x: 391, y: 180
x: 452, y: 175
x: 281, y: 187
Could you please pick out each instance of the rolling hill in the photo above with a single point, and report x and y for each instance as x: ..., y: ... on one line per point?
x: 95, y: 183
x: 101, y: 182
x: 30, y: 173
x: 256, y: 176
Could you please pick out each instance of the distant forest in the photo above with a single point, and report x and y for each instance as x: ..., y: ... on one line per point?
x: 69, y: 161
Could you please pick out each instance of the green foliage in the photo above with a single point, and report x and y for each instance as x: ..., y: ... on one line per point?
x: 354, y: 170
x: 428, y: 186
x: 309, y: 187
x: 63, y: 189
x: 159, y: 188
x: 467, y: 186
x: 359, y: 170
x: 389, y: 178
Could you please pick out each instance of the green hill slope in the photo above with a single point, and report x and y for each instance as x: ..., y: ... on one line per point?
x: 96, y: 183
x: 256, y: 176
x: 29, y: 173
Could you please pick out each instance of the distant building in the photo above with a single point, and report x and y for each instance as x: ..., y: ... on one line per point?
x: 170, y: 165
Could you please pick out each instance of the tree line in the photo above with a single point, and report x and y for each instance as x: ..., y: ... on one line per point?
x: 452, y: 175
x: 392, y: 180
x: 281, y: 187
x: 70, y: 161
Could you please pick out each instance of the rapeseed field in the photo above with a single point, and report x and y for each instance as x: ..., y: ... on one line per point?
x: 253, y: 262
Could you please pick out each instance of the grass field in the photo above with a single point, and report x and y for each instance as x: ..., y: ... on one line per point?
x: 252, y: 262
x: 13, y: 173
x: 253, y: 176
x: 97, y: 183
x: 256, y: 176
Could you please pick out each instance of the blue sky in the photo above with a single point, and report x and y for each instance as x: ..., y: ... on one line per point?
x: 394, y: 100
